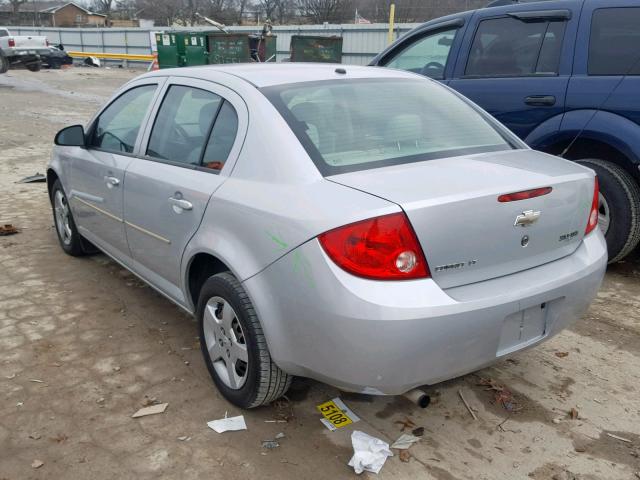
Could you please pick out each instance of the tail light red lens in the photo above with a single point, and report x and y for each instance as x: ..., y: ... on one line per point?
x: 381, y: 248
x: 592, y: 223
x: 12, y: 42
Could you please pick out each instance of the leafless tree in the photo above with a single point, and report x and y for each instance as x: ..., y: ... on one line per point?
x: 102, y: 6
x: 15, y: 5
x: 320, y: 11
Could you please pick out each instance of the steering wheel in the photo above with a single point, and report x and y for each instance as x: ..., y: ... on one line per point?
x: 123, y: 146
x: 433, y: 66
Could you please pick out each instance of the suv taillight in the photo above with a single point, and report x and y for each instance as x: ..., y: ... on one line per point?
x: 380, y: 248
x: 12, y: 42
x: 595, y: 206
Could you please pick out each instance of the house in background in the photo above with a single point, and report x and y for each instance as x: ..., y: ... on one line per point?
x: 72, y: 15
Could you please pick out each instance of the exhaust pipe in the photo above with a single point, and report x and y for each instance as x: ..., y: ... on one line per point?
x: 418, y: 397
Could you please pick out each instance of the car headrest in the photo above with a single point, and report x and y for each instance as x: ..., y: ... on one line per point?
x: 207, y: 112
x: 406, y: 127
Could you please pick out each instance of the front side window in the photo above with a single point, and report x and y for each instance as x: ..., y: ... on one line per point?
x: 427, y: 56
x: 118, y: 125
x: 183, y: 124
x: 359, y: 124
x: 510, y: 47
x: 614, y: 42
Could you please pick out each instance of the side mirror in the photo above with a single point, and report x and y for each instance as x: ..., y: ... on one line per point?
x: 72, y: 136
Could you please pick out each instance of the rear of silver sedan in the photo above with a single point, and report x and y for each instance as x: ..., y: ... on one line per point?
x: 493, y: 249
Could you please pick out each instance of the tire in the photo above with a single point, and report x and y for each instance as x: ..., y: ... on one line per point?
x: 227, y: 334
x: 70, y: 240
x: 34, y: 66
x: 622, y: 203
x: 4, y: 64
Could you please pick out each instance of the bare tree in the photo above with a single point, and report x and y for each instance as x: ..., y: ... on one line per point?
x: 103, y: 6
x: 268, y: 7
x: 15, y: 5
x: 320, y: 11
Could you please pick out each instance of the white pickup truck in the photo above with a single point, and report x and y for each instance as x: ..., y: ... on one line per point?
x: 22, y: 50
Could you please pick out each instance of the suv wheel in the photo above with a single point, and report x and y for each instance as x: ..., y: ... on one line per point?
x: 234, y: 347
x: 619, y: 217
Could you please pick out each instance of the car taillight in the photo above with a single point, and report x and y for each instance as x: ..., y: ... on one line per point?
x: 595, y: 206
x: 380, y: 248
x: 12, y: 42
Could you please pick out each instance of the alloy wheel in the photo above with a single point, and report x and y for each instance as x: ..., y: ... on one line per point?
x: 61, y: 209
x: 604, y: 214
x: 226, y: 342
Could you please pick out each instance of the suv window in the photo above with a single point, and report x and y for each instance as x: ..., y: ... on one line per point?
x: 183, y: 124
x: 613, y: 45
x: 510, y: 47
x: 4, y: 33
x: 117, y: 127
x: 427, y: 56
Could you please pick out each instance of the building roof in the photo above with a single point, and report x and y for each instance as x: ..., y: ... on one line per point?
x: 59, y: 7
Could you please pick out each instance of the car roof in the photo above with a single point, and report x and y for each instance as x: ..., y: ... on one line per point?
x: 271, y: 74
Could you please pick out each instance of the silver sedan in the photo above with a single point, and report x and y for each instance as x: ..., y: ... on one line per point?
x: 365, y: 227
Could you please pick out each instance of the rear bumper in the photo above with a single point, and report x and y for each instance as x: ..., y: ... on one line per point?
x: 388, y: 337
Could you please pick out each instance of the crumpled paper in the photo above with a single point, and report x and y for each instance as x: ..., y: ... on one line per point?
x: 227, y: 424
x: 405, y: 441
x: 369, y: 453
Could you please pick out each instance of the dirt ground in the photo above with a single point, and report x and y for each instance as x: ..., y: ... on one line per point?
x: 84, y: 344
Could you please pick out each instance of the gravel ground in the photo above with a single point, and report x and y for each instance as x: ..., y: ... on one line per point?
x: 84, y: 344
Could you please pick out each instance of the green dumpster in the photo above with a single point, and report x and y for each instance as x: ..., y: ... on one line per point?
x: 170, y: 50
x: 195, y: 48
x: 228, y: 48
x: 311, y: 48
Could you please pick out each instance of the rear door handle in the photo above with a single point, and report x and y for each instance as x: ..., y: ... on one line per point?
x: 181, y: 203
x: 112, y: 181
x: 540, y: 100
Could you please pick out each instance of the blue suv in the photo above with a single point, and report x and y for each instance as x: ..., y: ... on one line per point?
x: 564, y: 75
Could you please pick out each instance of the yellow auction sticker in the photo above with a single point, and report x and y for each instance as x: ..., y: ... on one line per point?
x: 336, y: 414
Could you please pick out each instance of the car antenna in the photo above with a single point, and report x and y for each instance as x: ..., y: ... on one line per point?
x: 584, y: 127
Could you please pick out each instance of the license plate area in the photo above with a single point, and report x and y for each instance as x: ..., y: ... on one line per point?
x: 525, y: 327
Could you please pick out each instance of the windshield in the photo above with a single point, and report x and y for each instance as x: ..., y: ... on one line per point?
x: 350, y: 125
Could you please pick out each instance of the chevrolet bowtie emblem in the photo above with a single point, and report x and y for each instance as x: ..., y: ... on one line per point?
x: 526, y: 218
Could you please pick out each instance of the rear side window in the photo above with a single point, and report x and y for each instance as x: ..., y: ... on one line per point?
x: 222, y: 138
x: 359, y: 124
x: 183, y: 124
x: 510, y: 47
x: 117, y: 127
x: 614, y: 44
x: 427, y: 56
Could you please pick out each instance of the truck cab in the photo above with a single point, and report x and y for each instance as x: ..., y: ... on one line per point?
x: 561, y: 74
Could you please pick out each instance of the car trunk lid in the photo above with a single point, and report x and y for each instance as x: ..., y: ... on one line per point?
x: 467, y: 234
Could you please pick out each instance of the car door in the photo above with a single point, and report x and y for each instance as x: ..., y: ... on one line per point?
x: 516, y: 65
x: 186, y: 148
x: 428, y: 52
x: 97, y: 171
x: 607, y: 66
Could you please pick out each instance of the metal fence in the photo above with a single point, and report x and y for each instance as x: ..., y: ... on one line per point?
x: 360, y: 42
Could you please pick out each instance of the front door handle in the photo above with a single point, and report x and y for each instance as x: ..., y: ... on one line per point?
x: 112, y: 181
x: 181, y: 203
x: 540, y: 100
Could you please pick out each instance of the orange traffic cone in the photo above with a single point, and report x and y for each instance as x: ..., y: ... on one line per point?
x: 154, y: 65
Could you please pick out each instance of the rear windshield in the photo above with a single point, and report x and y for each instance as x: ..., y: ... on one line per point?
x: 349, y: 125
